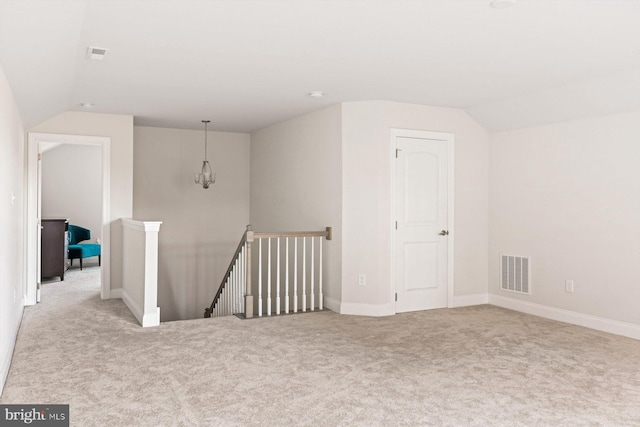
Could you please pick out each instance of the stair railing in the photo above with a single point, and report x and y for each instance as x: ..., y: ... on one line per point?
x: 302, y: 250
x: 229, y: 297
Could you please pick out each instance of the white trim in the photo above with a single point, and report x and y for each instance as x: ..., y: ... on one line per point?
x: 141, y: 225
x: 6, y: 358
x: 598, y: 323
x: 135, y: 309
x: 151, y: 318
x: 34, y: 140
x: 332, y: 304
x: 373, y: 310
x: 439, y: 136
x: 467, y: 300
x: 387, y: 310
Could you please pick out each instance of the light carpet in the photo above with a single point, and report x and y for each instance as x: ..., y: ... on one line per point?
x: 474, y: 366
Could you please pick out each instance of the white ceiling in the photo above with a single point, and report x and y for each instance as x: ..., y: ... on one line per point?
x: 248, y: 64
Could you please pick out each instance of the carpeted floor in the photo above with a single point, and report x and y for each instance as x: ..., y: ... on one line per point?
x: 475, y: 366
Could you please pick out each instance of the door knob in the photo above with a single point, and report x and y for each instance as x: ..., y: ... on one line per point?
x: 444, y: 233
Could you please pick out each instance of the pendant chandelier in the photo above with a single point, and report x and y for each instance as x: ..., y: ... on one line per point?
x: 205, y: 177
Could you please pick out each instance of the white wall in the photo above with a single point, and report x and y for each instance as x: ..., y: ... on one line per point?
x: 72, y: 186
x: 366, y: 198
x: 200, y: 228
x: 568, y: 196
x: 296, y: 177
x: 12, y: 243
x: 120, y: 129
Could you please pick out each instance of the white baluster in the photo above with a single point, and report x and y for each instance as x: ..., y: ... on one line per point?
x: 243, y: 278
x: 286, y: 278
x: 233, y: 287
x: 320, y: 296
x: 241, y: 282
x: 278, y: 278
x: 239, y: 277
x: 295, y: 274
x: 304, y: 274
x: 238, y: 280
x: 269, y: 278
x: 259, y: 277
x: 312, y: 304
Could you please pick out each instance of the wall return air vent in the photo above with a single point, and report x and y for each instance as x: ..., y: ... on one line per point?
x: 515, y: 274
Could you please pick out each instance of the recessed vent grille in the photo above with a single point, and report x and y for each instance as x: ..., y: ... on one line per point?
x: 96, y: 53
x: 515, y: 274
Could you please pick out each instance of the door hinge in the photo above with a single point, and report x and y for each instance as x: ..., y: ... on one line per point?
x: 396, y: 225
x: 39, y: 156
x: 396, y: 297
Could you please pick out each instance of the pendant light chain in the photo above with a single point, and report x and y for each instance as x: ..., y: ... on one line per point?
x: 205, y: 139
x: 206, y: 122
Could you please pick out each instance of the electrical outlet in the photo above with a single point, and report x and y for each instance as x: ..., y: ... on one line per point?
x: 568, y: 286
x: 362, y: 279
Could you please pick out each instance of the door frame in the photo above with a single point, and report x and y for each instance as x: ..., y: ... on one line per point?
x: 438, y: 136
x: 32, y: 256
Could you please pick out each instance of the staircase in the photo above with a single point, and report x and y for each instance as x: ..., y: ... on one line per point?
x: 283, y: 269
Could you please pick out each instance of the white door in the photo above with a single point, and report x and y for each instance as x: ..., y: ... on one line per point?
x: 421, y: 221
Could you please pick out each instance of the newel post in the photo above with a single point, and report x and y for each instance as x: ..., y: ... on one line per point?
x: 248, y: 298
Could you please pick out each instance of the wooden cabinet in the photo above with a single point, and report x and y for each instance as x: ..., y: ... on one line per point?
x: 54, y: 241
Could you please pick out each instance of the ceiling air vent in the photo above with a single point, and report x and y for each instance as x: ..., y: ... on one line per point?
x: 96, y: 53
x: 515, y: 274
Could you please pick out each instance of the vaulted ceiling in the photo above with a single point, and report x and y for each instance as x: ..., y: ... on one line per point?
x: 248, y: 64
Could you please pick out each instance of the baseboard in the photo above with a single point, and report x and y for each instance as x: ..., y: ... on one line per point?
x: 151, y: 319
x: 145, y: 319
x: 373, y: 310
x: 8, y: 356
x: 356, y: 309
x: 378, y: 310
x: 116, y: 293
x: 332, y: 304
x: 467, y: 300
x: 136, y: 310
x: 629, y: 330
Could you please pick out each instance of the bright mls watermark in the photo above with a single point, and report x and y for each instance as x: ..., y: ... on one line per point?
x: 34, y: 415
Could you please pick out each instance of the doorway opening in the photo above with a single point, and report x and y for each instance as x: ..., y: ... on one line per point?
x: 36, y: 143
x: 422, y: 196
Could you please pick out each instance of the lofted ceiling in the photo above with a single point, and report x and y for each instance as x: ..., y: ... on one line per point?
x: 248, y: 64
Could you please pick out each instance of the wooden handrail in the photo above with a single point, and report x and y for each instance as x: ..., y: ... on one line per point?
x: 274, y: 234
x: 243, y: 240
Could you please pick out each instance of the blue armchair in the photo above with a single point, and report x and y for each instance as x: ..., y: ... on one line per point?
x: 79, y: 250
